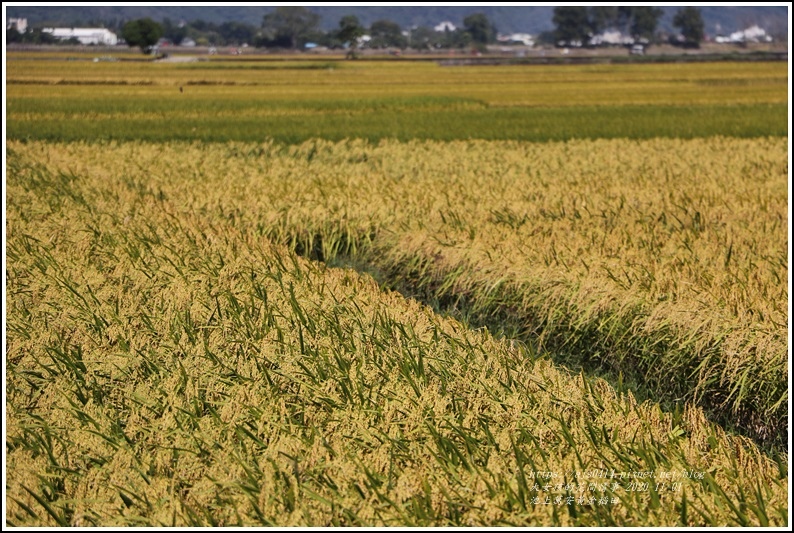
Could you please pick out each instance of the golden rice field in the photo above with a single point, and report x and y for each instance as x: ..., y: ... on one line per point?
x: 425, y: 329
x: 509, y: 86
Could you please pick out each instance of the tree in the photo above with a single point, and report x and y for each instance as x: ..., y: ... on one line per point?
x: 571, y: 24
x: 624, y: 20
x: 602, y: 18
x: 385, y: 34
x: 292, y: 24
x: 460, y: 39
x: 690, y: 21
x: 350, y: 30
x: 143, y: 33
x: 173, y: 32
x: 32, y: 36
x: 236, y: 33
x: 424, y: 38
x: 480, y: 28
x: 546, y: 38
x: 644, y: 21
x: 13, y: 35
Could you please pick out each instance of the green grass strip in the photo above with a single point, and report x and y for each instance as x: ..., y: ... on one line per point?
x: 405, y: 123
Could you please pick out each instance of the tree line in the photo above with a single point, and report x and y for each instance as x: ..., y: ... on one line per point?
x: 294, y: 27
x: 578, y: 25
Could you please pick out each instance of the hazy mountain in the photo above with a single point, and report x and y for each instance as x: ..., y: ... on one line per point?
x: 530, y: 19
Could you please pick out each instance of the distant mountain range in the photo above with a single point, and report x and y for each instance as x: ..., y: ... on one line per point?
x: 507, y: 19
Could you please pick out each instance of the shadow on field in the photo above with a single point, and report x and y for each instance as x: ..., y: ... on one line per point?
x: 573, y: 347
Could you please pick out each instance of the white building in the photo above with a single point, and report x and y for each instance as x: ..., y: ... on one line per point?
x: 753, y: 34
x: 611, y: 37
x: 445, y: 26
x: 85, y: 35
x: 21, y: 25
x: 522, y: 38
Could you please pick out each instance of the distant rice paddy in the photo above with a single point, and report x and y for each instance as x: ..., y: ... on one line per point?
x: 296, y: 101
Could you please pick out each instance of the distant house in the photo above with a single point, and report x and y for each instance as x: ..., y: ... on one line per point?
x: 753, y: 34
x: 445, y: 26
x: 611, y: 38
x: 517, y: 38
x: 187, y: 41
x: 21, y: 25
x: 84, y: 35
